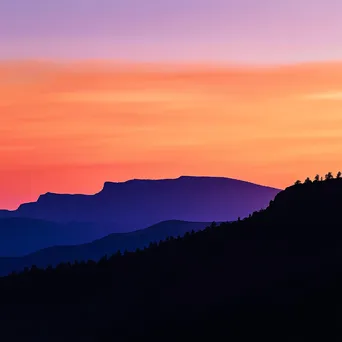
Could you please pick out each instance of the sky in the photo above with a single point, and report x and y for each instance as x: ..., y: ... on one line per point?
x: 107, y: 90
x: 239, y: 31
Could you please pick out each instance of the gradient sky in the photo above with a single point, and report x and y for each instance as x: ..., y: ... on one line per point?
x: 241, y: 31
x: 68, y: 126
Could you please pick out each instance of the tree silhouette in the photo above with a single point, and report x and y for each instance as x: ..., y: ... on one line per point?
x: 103, y: 260
x: 339, y: 174
x: 297, y: 182
x: 316, y: 178
x: 307, y: 180
x: 329, y: 175
x: 213, y: 225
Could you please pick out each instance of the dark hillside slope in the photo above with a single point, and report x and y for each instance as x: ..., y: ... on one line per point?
x: 275, y: 276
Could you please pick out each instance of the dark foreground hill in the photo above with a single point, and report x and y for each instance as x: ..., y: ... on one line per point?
x: 275, y: 276
x: 94, y: 250
x: 137, y: 204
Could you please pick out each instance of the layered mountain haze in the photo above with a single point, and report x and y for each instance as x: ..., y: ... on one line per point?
x: 98, y: 248
x: 20, y: 235
x: 61, y: 219
x: 275, y: 273
x: 120, y: 121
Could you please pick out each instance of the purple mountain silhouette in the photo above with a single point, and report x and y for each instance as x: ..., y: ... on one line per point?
x: 135, y: 204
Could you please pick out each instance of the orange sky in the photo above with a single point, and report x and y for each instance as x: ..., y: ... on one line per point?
x: 70, y: 127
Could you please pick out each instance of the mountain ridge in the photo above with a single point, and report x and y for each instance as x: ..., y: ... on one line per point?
x: 136, y: 203
x: 97, y: 248
x: 135, y: 180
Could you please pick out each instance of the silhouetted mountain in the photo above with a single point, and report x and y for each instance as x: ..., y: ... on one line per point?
x: 90, y: 251
x: 275, y: 276
x: 122, y: 207
x: 136, y: 204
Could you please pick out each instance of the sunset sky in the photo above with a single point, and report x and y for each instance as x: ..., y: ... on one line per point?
x: 98, y: 90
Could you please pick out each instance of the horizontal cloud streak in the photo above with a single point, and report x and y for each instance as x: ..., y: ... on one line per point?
x: 333, y: 95
x: 122, y: 97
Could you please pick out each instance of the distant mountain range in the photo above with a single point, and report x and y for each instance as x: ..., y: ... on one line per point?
x: 61, y: 219
x: 20, y: 235
x: 98, y: 248
x: 138, y: 203
x: 275, y: 275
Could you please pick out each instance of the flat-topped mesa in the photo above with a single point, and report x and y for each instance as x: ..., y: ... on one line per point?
x: 111, y: 186
x: 143, y: 202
